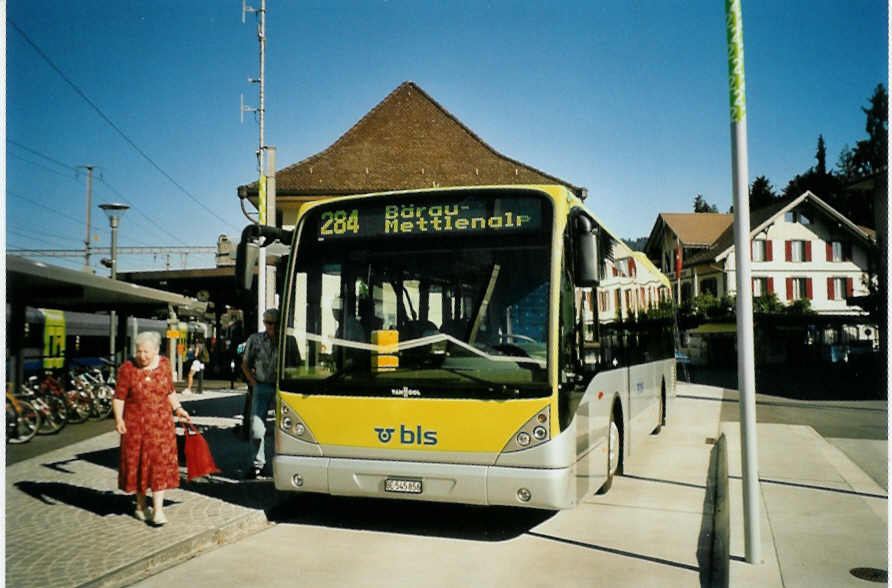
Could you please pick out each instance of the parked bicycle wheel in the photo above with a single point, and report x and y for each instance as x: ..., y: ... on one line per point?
x: 24, y: 422
x: 102, y: 402
x: 53, y: 414
x: 80, y: 405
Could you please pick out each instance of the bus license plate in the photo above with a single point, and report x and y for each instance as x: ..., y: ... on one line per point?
x: 402, y: 486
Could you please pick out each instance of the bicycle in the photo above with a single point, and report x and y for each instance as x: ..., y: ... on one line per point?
x: 22, y: 420
x: 78, y: 401
x: 102, y: 393
x: 52, y: 409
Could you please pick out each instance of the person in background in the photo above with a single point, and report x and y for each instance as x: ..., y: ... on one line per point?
x: 144, y: 398
x: 199, y: 362
x: 259, y: 366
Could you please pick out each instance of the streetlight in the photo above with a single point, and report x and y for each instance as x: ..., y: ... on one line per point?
x: 113, y: 211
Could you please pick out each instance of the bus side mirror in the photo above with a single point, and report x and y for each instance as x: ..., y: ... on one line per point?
x: 586, y: 254
x: 248, y: 251
x: 246, y: 256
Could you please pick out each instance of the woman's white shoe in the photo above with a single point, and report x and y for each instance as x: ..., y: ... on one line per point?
x: 159, y: 519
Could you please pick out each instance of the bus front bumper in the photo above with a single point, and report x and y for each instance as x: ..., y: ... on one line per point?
x: 440, y: 482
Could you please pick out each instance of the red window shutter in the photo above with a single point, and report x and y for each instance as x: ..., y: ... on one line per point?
x: 751, y: 250
x: 808, y: 251
x: 788, y: 251
x: 829, y: 251
x: 849, y: 287
x: 830, y: 295
x: 808, y: 291
x: 789, y: 287
x: 770, y: 285
x: 753, y: 285
x: 632, y: 267
x: 768, y: 255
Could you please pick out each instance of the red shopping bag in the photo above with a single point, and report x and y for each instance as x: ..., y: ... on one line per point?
x: 199, y: 461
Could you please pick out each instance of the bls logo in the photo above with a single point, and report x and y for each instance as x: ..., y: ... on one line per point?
x: 407, y: 435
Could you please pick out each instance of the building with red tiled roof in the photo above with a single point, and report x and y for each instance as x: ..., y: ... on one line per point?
x: 407, y: 141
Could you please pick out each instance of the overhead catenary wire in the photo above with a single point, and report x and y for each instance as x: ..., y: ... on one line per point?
x: 39, y: 154
x: 73, y: 176
x: 33, y: 202
x: 111, y: 123
x: 100, y: 179
x: 32, y: 232
x: 137, y: 209
x: 103, y: 230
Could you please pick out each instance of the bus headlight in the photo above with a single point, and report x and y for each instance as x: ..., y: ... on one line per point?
x: 533, y: 432
x: 291, y: 424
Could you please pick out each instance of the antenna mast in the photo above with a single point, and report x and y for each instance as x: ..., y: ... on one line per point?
x: 262, y: 274
x: 260, y: 110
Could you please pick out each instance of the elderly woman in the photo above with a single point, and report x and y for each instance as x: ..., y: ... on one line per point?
x: 144, y: 398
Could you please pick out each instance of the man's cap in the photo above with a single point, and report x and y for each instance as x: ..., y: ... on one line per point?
x: 271, y: 314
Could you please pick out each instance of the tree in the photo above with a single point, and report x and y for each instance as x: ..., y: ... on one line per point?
x: 871, y: 154
x: 636, y: 244
x: 821, y: 156
x: 827, y: 187
x: 701, y: 205
x: 761, y: 193
x: 847, y: 171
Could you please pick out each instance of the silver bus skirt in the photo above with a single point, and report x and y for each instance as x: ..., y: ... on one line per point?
x: 551, y: 489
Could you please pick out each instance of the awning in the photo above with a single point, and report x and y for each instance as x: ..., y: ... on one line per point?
x: 38, y: 284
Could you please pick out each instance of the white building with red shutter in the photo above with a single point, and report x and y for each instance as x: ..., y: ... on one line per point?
x: 800, y: 248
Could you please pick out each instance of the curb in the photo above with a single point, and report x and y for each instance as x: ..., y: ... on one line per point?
x: 720, y: 563
x: 178, y: 553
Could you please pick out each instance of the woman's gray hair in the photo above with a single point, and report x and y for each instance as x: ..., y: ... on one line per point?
x: 149, y: 338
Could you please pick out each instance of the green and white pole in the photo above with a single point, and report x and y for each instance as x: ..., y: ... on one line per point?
x: 746, y: 371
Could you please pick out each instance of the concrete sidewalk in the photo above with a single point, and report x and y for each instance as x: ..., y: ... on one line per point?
x: 824, y: 521
x: 68, y: 525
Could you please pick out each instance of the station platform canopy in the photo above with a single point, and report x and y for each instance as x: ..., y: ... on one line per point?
x: 41, y: 285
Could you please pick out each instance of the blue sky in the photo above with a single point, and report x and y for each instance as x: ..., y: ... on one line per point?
x: 628, y: 99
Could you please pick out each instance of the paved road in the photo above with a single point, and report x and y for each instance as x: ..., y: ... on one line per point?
x: 72, y: 433
x: 858, y: 428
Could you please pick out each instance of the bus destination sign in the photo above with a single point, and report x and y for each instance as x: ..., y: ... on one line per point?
x: 367, y: 219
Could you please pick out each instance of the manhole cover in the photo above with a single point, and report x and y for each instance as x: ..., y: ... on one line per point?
x: 870, y: 574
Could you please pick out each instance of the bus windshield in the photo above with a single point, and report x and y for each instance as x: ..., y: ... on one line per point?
x: 408, y: 296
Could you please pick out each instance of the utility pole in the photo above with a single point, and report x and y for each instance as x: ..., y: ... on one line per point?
x: 89, y: 169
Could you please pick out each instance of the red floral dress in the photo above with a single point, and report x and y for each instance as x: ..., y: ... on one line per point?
x: 149, y: 448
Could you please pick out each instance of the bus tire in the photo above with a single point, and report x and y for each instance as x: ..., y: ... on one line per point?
x: 614, y: 450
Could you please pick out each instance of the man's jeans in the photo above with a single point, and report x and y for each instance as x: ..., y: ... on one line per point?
x: 263, y: 395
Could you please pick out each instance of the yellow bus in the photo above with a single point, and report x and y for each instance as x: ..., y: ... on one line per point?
x: 451, y: 345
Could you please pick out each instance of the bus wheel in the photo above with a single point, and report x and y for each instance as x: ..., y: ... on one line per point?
x: 614, y: 453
